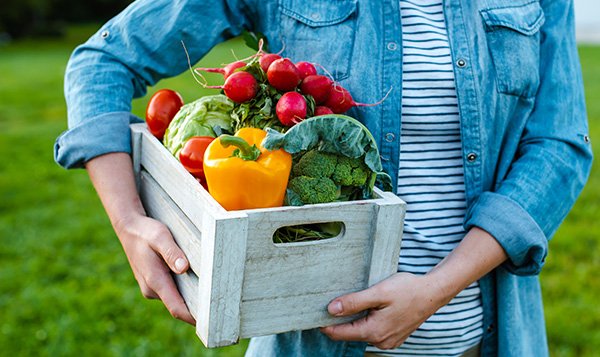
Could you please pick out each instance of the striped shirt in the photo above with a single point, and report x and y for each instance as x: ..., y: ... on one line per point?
x: 430, y: 178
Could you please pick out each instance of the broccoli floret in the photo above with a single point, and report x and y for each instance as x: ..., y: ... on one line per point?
x: 315, y: 164
x: 313, y: 190
x: 350, y: 172
x: 320, y: 177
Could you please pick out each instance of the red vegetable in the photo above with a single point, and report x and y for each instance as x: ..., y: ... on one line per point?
x: 266, y: 59
x: 283, y: 75
x: 226, y: 71
x: 291, y: 108
x: 239, y: 87
x: 161, y: 109
x: 317, y: 86
x: 306, y: 69
x: 322, y: 110
x: 192, y: 155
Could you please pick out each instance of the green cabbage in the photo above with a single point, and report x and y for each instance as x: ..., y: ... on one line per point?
x: 198, y: 118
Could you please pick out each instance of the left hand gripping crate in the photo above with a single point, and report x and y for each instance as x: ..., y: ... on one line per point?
x: 240, y: 283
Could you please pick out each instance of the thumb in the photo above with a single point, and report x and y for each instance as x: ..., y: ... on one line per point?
x: 354, y: 303
x: 166, y: 247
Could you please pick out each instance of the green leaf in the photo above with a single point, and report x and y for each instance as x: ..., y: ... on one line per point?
x: 337, y: 134
x: 252, y: 38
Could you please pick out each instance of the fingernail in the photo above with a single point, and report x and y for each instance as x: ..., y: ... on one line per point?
x: 335, y: 308
x: 179, y: 264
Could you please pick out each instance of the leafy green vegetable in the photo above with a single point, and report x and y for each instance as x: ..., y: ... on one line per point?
x: 320, y: 177
x: 199, y: 118
x: 340, y: 135
x: 311, y: 190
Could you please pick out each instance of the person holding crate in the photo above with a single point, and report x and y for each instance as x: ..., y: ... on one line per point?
x: 492, y: 154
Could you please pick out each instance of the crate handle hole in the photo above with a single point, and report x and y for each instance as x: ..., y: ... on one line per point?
x: 308, y: 232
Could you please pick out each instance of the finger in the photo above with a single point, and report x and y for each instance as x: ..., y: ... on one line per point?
x: 165, y: 288
x: 164, y: 244
x: 358, y: 330
x: 355, y: 302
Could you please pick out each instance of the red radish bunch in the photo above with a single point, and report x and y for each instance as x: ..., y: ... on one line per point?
x: 294, y: 83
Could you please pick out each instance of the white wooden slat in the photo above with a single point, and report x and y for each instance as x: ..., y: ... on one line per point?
x: 159, y: 206
x: 305, y: 315
x: 136, y: 144
x: 272, y: 269
x: 187, y: 284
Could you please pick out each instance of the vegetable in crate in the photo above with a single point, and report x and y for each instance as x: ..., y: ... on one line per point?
x: 330, y: 150
x: 241, y: 174
x: 161, y: 109
x: 199, y: 118
x: 192, y: 156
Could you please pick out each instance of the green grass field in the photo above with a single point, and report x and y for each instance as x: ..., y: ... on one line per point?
x: 66, y: 288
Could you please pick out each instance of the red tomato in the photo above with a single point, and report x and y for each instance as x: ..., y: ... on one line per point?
x: 161, y: 109
x: 192, y: 155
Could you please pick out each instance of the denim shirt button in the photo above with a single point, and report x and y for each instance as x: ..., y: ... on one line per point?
x: 104, y: 34
x: 471, y: 157
x: 490, y: 328
x: 392, y: 46
x: 461, y: 63
x: 389, y: 137
x: 586, y: 138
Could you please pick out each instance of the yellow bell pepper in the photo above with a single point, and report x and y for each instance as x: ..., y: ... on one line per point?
x: 241, y: 174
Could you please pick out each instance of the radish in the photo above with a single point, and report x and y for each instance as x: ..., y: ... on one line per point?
x: 322, y: 110
x: 239, y: 87
x: 226, y: 71
x: 317, y: 86
x: 291, y: 108
x: 306, y: 69
x: 283, y: 75
x: 266, y: 59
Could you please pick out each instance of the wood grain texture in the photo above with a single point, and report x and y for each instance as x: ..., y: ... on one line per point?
x: 221, y: 276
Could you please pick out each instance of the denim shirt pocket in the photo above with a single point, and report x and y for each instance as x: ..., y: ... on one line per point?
x: 513, y: 39
x: 325, y: 29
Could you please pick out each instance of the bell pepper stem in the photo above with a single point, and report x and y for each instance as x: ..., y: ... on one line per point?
x: 244, y: 151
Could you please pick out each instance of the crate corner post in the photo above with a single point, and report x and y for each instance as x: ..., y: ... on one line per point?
x: 221, y: 278
x: 387, y: 237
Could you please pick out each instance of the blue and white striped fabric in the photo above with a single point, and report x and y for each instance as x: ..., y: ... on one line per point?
x: 431, y: 179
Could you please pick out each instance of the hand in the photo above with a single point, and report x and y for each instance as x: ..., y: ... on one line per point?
x: 396, y: 307
x: 152, y: 252
x: 148, y: 244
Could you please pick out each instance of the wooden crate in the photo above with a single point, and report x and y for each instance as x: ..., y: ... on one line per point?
x: 241, y: 284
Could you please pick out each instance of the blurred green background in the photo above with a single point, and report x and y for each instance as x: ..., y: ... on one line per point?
x: 66, y: 288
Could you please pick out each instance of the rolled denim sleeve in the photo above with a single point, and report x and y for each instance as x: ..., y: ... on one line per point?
x: 554, y: 155
x: 134, y: 50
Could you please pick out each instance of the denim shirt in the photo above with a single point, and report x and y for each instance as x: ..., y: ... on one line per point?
x: 523, y: 122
